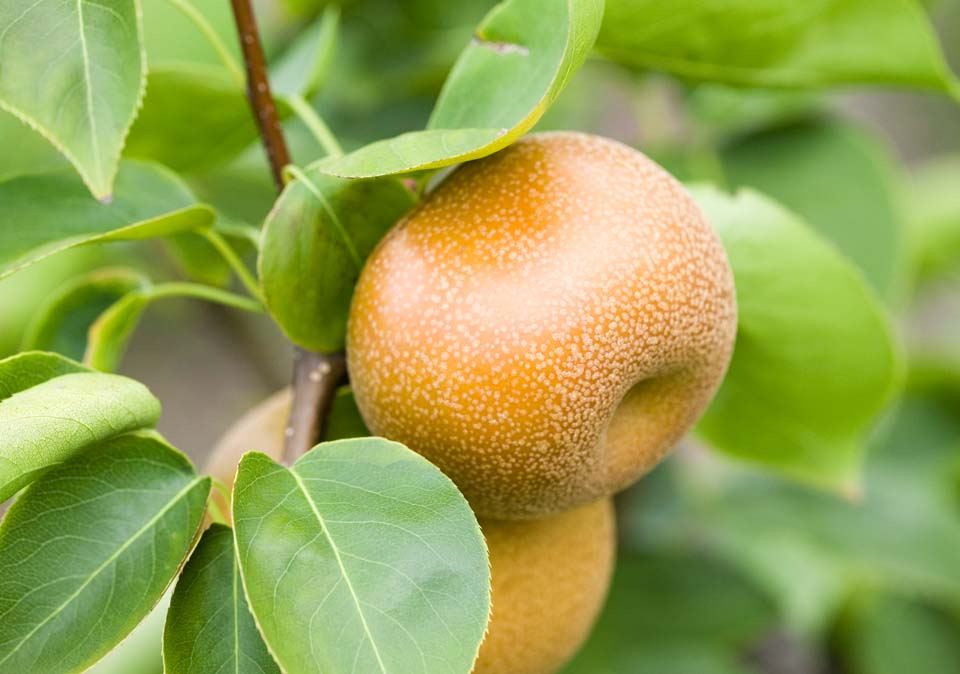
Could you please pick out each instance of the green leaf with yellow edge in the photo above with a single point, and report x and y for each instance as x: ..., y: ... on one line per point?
x: 814, y: 361
x: 89, y: 549
x: 361, y: 557
x: 62, y: 322
x: 522, y: 56
x: 315, y: 241
x: 75, y: 72
x: 779, y: 43
x: 46, y: 213
x: 209, y: 628
x: 44, y: 422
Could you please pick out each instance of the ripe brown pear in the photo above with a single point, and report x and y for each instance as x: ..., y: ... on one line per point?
x: 545, y: 326
x: 549, y: 577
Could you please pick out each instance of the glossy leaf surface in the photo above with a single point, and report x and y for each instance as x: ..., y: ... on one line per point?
x: 315, y: 241
x: 147, y: 202
x: 209, y: 628
x: 47, y: 421
x: 89, y: 549
x: 361, y: 557
x: 75, y: 72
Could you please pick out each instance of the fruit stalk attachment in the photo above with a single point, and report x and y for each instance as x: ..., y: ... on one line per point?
x: 315, y: 375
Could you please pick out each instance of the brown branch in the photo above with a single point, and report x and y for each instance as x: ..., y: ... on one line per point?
x: 258, y: 90
x: 315, y: 378
x: 315, y: 375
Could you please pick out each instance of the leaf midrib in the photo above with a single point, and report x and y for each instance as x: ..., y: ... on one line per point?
x: 88, y: 80
x: 343, y: 569
x: 110, y: 560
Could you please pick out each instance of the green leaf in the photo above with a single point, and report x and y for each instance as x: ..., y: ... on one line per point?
x: 209, y: 626
x: 814, y: 361
x: 140, y: 652
x: 26, y: 370
x: 50, y: 212
x: 934, y: 217
x: 779, y: 43
x: 61, y: 323
x: 25, y: 151
x: 198, y: 259
x: 188, y: 31
x: 522, y: 56
x: 841, y: 180
x: 886, y: 634
x: 808, y: 548
x: 75, y: 72
x: 361, y: 557
x: 812, y: 548
x: 90, y: 548
x: 315, y: 241
x: 676, y: 613
x: 46, y: 422
x: 344, y: 420
x: 194, y: 117
x: 303, y: 67
x: 108, y: 336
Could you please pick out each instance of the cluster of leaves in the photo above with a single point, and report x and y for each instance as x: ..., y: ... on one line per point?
x: 362, y: 556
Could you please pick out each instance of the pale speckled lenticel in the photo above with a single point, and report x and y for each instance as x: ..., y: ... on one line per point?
x: 545, y: 326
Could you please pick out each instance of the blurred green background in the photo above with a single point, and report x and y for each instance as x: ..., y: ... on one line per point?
x: 723, y: 569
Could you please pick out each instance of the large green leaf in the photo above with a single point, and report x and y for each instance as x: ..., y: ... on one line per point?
x: 46, y: 213
x: 361, y: 557
x: 209, y: 628
x: 841, y: 180
x: 89, y: 549
x: 522, y: 56
x: 814, y: 360
x: 315, y: 241
x: 46, y: 422
x: 61, y: 323
x: 75, y: 72
x: 779, y: 43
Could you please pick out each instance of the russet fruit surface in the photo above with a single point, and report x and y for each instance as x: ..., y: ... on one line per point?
x: 549, y: 577
x: 545, y: 326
